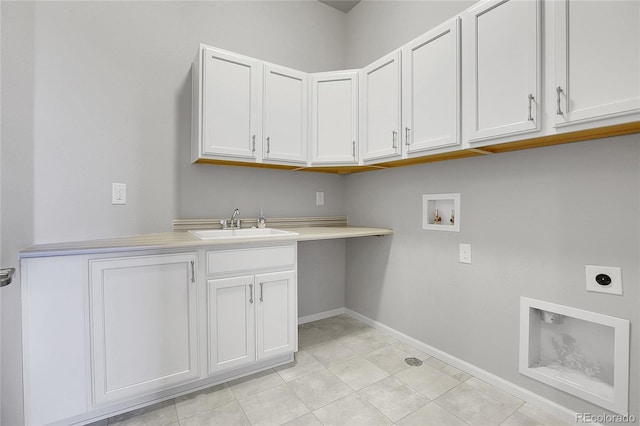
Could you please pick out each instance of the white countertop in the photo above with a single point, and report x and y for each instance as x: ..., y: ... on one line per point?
x: 181, y: 239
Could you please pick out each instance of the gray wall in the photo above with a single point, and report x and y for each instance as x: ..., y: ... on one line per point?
x: 99, y: 92
x: 533, y: 218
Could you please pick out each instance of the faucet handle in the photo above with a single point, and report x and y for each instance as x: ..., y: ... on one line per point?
x: 223, y: 222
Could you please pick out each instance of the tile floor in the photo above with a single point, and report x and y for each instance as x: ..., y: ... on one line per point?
x: 346, y: 373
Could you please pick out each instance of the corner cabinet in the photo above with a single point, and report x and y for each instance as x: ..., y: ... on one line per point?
x: 143, y: 324
x: 501, y: 52
x: 227, y: 105
x: 381, y: 109
x: 431, y: 89
x: 597, y: 60
x: 334, y: 118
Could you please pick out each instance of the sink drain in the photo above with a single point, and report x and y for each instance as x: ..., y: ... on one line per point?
x: 414, y: 362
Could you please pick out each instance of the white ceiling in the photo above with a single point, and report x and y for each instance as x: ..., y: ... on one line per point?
x: 342, y: 5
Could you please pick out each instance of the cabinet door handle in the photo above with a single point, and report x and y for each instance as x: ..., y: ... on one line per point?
x: 394, y: 135
x: 261, y: 299
x: 406, y: 136
x: 250, y: 293
x: 253, y: 143
x: 193, y: 271
x: 531, y: 98
x: 354, y: 149
x: 558, y: 91
x: 268, y: 144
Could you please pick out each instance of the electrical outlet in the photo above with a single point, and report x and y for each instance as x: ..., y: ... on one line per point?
x: 319, y: 198
x: 465, y: 253
x: 118, y: 193
x: 604, y: 279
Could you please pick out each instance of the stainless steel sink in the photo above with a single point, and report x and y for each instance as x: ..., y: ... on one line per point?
x: 211, y: 234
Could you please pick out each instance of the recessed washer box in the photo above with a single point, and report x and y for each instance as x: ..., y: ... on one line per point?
x: 580, y: 352
x: 441, y: 212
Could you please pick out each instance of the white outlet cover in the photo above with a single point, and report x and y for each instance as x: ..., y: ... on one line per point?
x: 319, y: 198
x: 118, y: 193
x: 465, y: 253
x: 592, y: 271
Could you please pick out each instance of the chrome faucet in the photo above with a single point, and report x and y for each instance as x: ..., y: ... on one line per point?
x: 231, y: 223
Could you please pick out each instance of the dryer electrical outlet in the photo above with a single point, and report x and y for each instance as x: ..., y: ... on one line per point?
x: 604, y: 279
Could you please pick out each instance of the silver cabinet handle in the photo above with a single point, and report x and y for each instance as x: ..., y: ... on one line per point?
x: 261, y: 299
x: 268, y: 144
x: 558, y: 91
x: 253, y: 143
x: 531, y: 98
x: 394, y: 134
x: 6, y: 276
x: 354, y: 149
x: 406, y: 136
x: 193, y: 271
x: 250, y: 293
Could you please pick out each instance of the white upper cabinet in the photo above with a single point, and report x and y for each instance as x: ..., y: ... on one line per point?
x: 597, y: 68
x: 381, y: 108
x: 285, y: 114
x: 501, y: 54
x: 230, y: 120
x: 431, y: 89
x: 334, y: 117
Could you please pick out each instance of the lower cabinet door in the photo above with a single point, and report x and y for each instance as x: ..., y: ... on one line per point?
x: 143, y: 324
x: 277, y: 314
x: 231, y: 307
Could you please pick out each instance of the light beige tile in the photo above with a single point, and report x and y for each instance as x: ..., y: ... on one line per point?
x: 431, y: 415
x: 230, y: 414
x: 495, y: 393
x: 519, y: 419
x: 332, y: 353
x: 393, y: 398
x: 304, y: 364
x: 311, y: 336
x: 204, y: 400
x: 542, y: 416
x: 448, y: 369
x: 274, y: 406
x: 306, y: 420
x: 255, y: 383
x: 358, y: 373
x: 427, y: 380
x: 162, y: 414
x: 473, y: 407
x: 388, y: 358
x: 411, y: 351
x: 366, y: 341
x: 341, y: 325
x: 351, y: 410
x: 319, y: 389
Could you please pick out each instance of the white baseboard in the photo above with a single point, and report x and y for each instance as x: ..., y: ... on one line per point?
x: 320, y: 315
x: 536, y: 400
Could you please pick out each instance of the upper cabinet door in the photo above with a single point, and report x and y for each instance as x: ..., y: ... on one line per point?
x: 502, y: 59
x: 334, y: 117
x: 597, y: 59
x: 231, y: 115
x: 285, y: 114
x: 381, y: 108
x: 431, y: 89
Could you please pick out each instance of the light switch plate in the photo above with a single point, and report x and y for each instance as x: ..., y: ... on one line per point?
x: 465, y: 253
x: 319, y: 198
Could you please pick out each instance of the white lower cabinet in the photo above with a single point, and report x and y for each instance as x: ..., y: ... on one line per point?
x: 143, y: 324
x: 105, y: 333
x: 252, y: 307
x: 251, y: 318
